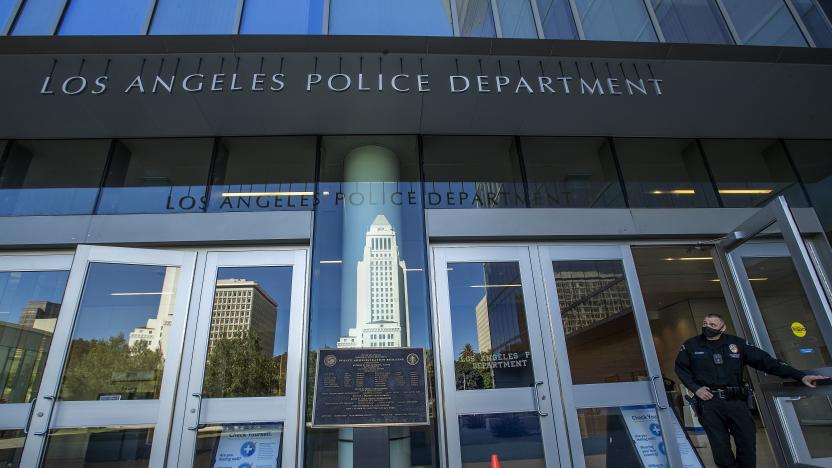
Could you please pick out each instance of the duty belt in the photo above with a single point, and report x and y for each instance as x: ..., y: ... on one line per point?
x: 728, y: 393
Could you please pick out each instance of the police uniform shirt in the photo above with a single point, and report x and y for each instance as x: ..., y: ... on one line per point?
x: 719, y: 363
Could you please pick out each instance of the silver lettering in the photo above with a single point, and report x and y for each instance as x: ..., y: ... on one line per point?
x: 101, y: 83
x: 423, y: 83
x: 502, y: 81
x: 454, y: 79
x: 159, y: 81
x: 545, y: 84
x: 68, y: 81
x: 45, y: 88
x: 612, y: 85
x: 657, y: 85
x: 482, y: 82
x: 523, y: 84
x: 217, y: 82
x: 361, y: 83
x: 595, y: 87
x: 136, y: 83
x: 565, y: 80
x: 257, y: 82
x: 234, y: 86
x: 632, y: 85
x: 347, y: 82
x: 394, y: 83
x: 277, y: 79
x: 312, y: 79
x: 188, y: 79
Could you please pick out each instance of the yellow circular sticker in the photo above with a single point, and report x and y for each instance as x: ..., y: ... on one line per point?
x: 798, y: 329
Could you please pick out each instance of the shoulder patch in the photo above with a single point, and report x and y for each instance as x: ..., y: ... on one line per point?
x: 682, y: 348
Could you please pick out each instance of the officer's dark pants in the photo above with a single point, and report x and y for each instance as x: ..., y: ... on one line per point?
x: 722, y: 419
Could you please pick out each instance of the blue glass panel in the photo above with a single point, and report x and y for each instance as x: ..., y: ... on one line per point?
x: 827, y: 7
x: 391, y: 17
x: 38, y: 18
x: 556, y: 16
x: 195, y: 17
x: 516, y: 18
x: 105, y: 17
x: 6, y: 11
x: 475, y: 18
x: 615, y: 20
x: 696, y: 21
x: 764, y: 22
x: 282, y: 17
x: 512, y: 437
x: 816, y: 22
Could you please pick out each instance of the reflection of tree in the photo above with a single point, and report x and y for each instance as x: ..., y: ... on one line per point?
x: 239, y: 367
x: 467, y: 376
x: 97, y: 367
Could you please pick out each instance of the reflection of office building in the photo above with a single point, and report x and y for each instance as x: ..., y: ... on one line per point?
x: 154, y: 335
x: 483, y: 327
x: 25, y: 351
x: 38, y: 310
x: 243, y: 306
x: 381, y: 292
x: 589, y: 297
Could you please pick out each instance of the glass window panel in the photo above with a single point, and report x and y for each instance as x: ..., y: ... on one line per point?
x: 248, y: 339
x: 264, y: 174
x: 517, y: 19
x: 282, y: 17
x: 51, y: 177
x: 815, y: 21
x: 121, y: 333
x: 216, y: 447
x: 105, y: 17
x: 597, y: 313
x: 7, y: 10
x: 488, y: 321
x: 752, y: 172
x: 571, y: 173
x: 786, y: 312
x: 764, y: 22
x: 514, y: 438
x: 813, y: 159
x: 38, y: 17
x: 827, y: 7
x: 29, y: 305
x: 696, y: 21
x: 157, y: 176
x: 475, y: 18
x: 665, y: 173
x: 391, y: 17
x: 472, y: 172
x: 11, y: 447
x: 113, y: 447
x: 195, y: 17
x: 814, y: 419
x: 556, y: 17
x: 625, y: 436
x: 616, y: 20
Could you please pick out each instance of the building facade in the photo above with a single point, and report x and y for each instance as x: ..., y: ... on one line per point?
x: 544, y: 197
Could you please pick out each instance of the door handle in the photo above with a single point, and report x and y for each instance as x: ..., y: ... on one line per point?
x: 656, y: 392
x: 537, y: 398
x: 51, y: 399
x: 29, y: 417
x: 198, y: 397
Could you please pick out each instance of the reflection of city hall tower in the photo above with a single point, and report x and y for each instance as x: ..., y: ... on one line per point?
x: 241, y: 306
x: 381, y: 292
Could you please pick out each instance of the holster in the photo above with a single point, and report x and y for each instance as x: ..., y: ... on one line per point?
x: 696, y: 405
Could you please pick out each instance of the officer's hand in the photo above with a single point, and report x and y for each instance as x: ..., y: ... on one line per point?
x: 704, y: 393
x: 809, y: 380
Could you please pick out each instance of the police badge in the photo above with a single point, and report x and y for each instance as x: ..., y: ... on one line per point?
x: 733, y: 348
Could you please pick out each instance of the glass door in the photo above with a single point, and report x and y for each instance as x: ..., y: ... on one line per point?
x: 108, y: 385
x: 612, y: 390
x: 497, y: 391
x: 241, y: 384
x: 779, y: 301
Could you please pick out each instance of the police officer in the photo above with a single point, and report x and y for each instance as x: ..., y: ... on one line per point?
x: 711, y: 365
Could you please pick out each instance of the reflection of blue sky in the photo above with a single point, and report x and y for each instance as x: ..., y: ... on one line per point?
x: 277, y: 282
x: 18, y: 288
x: 328, y: 321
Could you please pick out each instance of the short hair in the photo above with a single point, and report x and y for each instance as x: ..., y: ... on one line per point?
x: 715, y: 315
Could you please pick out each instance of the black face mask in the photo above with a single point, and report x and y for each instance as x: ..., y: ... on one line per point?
x: 710, y: 332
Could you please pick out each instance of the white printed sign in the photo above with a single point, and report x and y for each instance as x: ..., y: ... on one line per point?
x: 643, y: 425
x: 248, y: 447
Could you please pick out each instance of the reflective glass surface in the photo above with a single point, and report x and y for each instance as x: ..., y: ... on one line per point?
x: 488, y: 321
x: 475, y: 18
x: 391, y: 17
x: 11, y: 447
x: 195, y: 17
x: 815, y: 21
x: 282, y: 17
x: 826, y: 5
x: 516, y: 18
x: 665, y: 173
x: 248, y: 340
x: 51, y: 177
x: 696, y: 21
x: 7, y: 9
x: 222, y: 445
x: 514, y: 438
x: 264, y: 174
x: 157, y: 176
x: 752, y: 172
x: 813, y: 160
x: 472, y: 172
x: 121, y: 333
x: 597, y: 315
x: 557, y: 20
x: 29, y: 305
x: 763, y: 22
x: 813, y: 416
x: 111, y: 447
x: 616, y: 20
x: 571, y: 173
x: 789, y: 320
x: 105, y: 17
x: 625, y: 436
x: 38, y: 17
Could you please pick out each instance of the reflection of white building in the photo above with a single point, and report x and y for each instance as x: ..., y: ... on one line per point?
x: 381, y: 293
x: 483, y: 326
x: 154, y: 334
x: 242, y: 306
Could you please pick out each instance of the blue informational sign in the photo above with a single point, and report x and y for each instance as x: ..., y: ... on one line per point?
x: 646, y: 434
x: 249, y: 446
